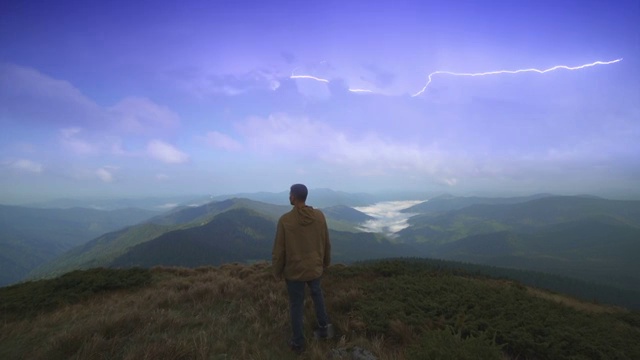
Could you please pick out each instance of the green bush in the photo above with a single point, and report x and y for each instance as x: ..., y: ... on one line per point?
x: 447, y: 344
x: 428, y: 299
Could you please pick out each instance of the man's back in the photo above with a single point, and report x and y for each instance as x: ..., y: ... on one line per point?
x: 302, y: 248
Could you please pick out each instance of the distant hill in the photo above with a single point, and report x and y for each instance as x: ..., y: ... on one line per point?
x: 99, y: 252
x: 318, y: 198
x: 346, y: 213
x: 30, y: 237
x: 588, y: 238
x: 445, y: 203
x: 237, y: 235
x: 583, y: 237
x: 590, y: 250
x: 345, y: 218
x: 187, y: 214
x: 221, y: 231
x: 527, y: 216
x: 149, y: 203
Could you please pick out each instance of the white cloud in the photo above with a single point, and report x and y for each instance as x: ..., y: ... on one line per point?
x: 27, y: 166
x: 70, y: 140
x: 387, y: 216
x: 162, y: 177
x: 167, y: 206
x: 368, y: 153
x: 33, y: 97
x: 222, y: 141
x: 141, y: 115
x: 281, y: 132
x: 167, y: 153
x: 105, y: 173
x: 203, y: 83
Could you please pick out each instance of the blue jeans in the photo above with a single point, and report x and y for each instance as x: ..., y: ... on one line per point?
x: 296, y: 306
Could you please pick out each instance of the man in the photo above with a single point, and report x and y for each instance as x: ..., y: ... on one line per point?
x: 301, y: 252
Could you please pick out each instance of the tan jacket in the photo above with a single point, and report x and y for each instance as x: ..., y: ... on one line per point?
x: 301, y: 249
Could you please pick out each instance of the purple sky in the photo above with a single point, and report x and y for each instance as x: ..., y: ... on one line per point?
x: 161, y: 98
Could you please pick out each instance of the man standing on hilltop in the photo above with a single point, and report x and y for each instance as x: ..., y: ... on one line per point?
x: 301, y: 252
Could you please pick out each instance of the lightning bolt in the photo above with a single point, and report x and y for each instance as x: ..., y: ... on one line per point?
x: 324, y: 81
x: 360, y: 90
x: 309, y: 77
x: 557, y: 67
x: 293, y: 76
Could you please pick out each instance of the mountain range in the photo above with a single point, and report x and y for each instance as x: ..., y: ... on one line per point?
x: 583, y: 237
x: 232, y: 230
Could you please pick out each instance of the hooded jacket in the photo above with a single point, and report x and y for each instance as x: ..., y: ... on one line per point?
x: 301, y: 249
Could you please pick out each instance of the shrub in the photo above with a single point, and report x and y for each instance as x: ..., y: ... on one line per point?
x: 447, y: 344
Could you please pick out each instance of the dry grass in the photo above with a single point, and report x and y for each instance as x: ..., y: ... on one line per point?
x: 563, y: 299
x: 241, y: 312
x: 230, y: 312
x: 575, y: 303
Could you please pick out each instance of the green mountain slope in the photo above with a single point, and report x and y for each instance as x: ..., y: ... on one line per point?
x: 522, y: 217
x: 346, y: 213
x: 235, y: 235
x: 204, y: 213
x: 344, y: 218
x: 30, y: 237
x: 243, y: 235
x: 589, y: 250
x: 205, y: 223
x: 101, y: 251
x: 558, y: 209
x: 445, y: 203
x: 588, y: 238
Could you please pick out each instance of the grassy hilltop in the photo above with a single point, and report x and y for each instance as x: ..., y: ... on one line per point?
x: 394, y: 309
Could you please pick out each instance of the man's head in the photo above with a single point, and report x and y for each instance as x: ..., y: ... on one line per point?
x: 298, y: 194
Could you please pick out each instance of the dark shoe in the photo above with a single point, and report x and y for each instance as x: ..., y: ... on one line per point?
x: 298, y: 349
x: 324, y: 332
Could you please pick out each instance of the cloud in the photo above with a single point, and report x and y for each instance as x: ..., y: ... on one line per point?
x: 167, y: 153
x: 367, y: 153
x: 282, y: 132
x: 387, y: 216
x: 143, y: 116
x: 381, y: 78
x: 84, y: 127
x: 29, y: 96
x: 222, y: 141
x: 162, y: 177
x: 203, y: 84
x: 105, y: 173
x: 69, y: 137
x: 26, y: 165
x: 167, y: 206
x: 313, y: 89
